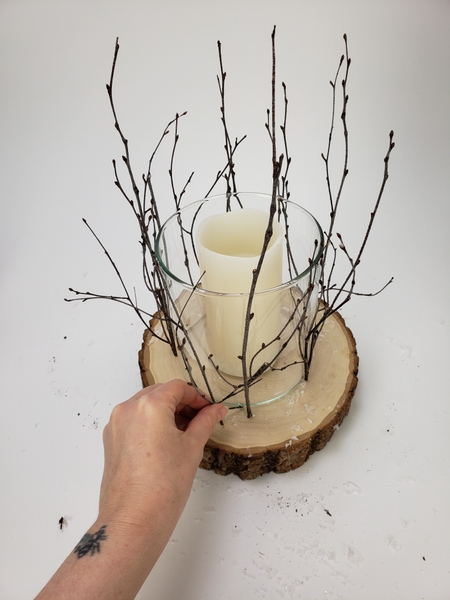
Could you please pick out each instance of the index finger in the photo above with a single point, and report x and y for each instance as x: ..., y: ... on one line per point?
x: 178, y: 394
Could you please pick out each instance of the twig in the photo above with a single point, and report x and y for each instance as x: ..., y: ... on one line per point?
x: 276, y: 169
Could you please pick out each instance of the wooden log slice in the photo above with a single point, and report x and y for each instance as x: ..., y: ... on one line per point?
x: 283, y: 434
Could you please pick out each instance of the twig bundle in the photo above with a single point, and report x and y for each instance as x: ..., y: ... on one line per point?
x: 143, y: 203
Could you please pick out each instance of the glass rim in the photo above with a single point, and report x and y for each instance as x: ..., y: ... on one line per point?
x: 195, y: 288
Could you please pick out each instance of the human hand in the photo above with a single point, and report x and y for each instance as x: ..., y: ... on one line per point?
x: 153, y: 445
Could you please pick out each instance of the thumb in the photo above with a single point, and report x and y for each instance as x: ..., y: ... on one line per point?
x: 202, y: 425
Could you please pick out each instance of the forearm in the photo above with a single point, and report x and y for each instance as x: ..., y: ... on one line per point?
x: 153, y: 445
x: 110, y: 562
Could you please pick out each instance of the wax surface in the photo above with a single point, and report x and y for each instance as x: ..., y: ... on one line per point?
x: 229, y: 246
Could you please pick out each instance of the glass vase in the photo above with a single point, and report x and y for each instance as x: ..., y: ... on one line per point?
x: 240, y: 335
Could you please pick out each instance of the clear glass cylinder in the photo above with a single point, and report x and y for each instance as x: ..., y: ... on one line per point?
x: 208, y: 252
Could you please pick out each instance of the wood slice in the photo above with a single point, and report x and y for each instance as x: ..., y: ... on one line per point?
x: 283, y: 434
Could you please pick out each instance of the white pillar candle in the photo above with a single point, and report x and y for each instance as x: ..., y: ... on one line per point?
x: 228, y: 248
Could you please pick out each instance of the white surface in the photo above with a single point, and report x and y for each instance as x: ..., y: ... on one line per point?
x: 369, y: 516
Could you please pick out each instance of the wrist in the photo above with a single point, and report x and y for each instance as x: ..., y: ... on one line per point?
x: 141, y: 507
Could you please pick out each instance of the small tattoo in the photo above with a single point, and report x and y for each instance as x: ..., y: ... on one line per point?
x: 62, y: 522
x: 90, y: 542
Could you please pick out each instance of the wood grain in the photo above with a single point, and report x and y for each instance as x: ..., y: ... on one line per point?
x: 282, y: 434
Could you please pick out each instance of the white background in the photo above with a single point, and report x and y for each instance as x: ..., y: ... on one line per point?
x: 367, y: 517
